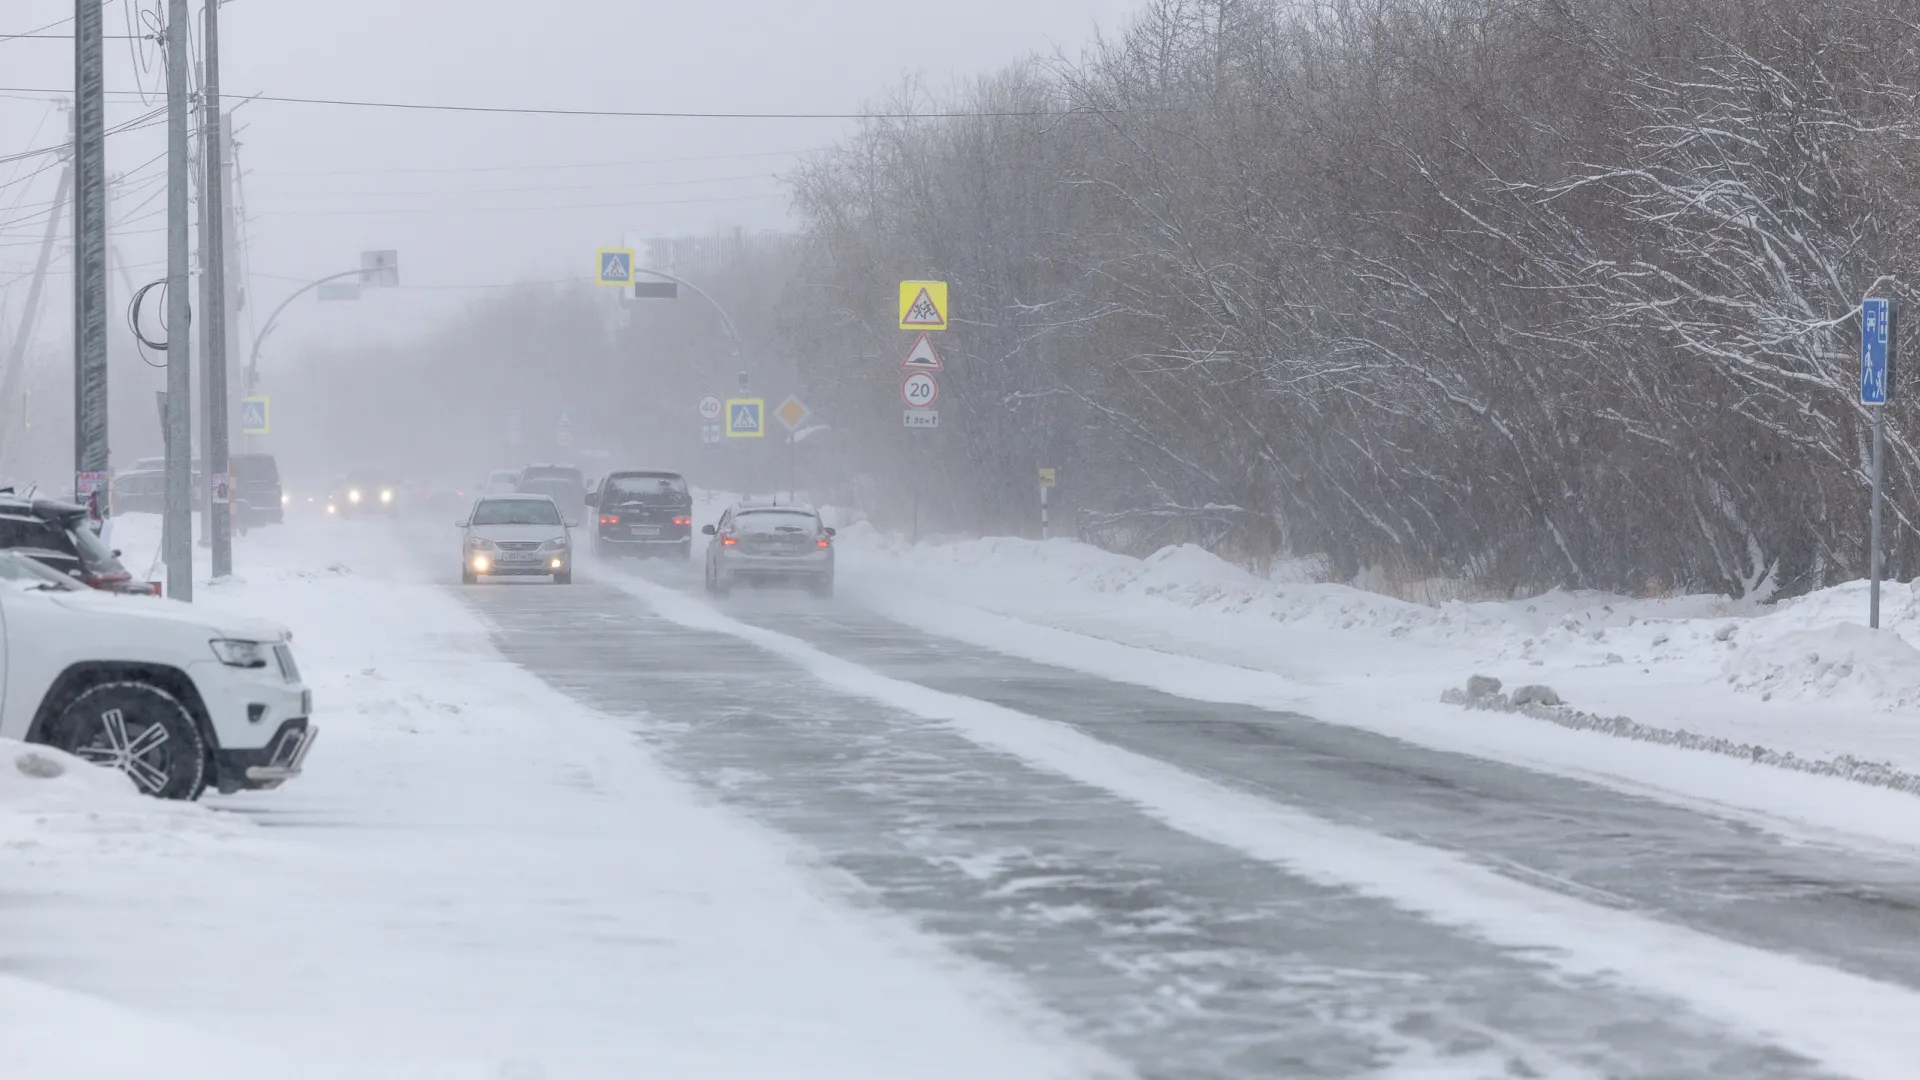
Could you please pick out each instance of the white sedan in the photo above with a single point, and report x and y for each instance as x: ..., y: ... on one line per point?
x: 505, y: 535
x: 176, y: 697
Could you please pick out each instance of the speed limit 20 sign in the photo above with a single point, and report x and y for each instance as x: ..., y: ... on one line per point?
x: 920, y: 390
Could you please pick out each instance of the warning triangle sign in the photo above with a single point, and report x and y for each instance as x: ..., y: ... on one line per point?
x: 923, y: 358
x: 924, y: 312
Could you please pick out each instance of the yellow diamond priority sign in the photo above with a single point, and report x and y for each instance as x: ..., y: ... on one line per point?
x: 923, y: 305
x: 792, y: 412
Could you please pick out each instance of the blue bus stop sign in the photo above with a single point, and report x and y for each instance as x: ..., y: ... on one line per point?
x: 1876, y: 336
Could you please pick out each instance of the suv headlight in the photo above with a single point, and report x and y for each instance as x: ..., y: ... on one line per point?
x: 555, y: 545
x: 353, y: 495
x: 241, y: 654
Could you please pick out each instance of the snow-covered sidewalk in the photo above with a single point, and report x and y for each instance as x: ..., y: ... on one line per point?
x: 1803, y: 677
x: 476, y: 878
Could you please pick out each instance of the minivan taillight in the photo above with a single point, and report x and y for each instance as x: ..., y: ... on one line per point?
x: 609, y: 519
x: 683, y: 521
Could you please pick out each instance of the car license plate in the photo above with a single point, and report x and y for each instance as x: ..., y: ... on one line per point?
x: 515, y: 558
x: 646, y: 530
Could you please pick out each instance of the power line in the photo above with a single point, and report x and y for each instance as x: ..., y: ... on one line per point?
x: 541, y: 167
x: 443, y: 192
x: 437, y: 288
x: 515, y: 209
x: 638, y: 114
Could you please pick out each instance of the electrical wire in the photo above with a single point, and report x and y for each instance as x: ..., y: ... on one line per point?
x: 443, y: 192
x: 133, y: 320
x: 519, y: 209
x: 542, y: 167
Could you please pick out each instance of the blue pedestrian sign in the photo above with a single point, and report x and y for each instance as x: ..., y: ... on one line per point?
x: 746, y: 418
x: 254, y: 415
x: 710, y: 436
x: 615, y: 266
x: 1876, y: 349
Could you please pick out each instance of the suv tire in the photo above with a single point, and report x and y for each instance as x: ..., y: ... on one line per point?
x: 139, y: 729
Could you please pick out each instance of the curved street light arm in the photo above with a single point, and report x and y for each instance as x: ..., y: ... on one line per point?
x: 253, y: 359
x: 733, y: 336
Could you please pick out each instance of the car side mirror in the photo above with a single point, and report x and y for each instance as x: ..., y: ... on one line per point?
x: 116, y: 553
x: 706, y: 530
x: 572, y: 524
x: 592, y: 499
x: 459, y: 524
x: 831, y: 531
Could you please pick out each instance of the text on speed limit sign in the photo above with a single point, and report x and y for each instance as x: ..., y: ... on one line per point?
x: 920, y: 389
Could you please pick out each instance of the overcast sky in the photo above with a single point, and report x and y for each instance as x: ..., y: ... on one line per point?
x: 481, y: 199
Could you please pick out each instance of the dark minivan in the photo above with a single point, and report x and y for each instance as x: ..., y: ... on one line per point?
x: 256, y: 489
x: 641, y: 512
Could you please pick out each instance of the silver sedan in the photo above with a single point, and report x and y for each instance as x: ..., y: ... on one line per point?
x: 506, y: 535
x: 770, y: 545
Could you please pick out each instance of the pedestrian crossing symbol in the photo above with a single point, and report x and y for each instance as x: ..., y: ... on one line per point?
x: 253, y: 415
x: 745, y: 418
x: 616, y: 266
x: 923, y: 305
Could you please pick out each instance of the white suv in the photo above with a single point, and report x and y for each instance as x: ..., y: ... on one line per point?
x: 177, y: 698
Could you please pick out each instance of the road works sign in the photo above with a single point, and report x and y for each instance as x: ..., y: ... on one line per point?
x: 746, y: 418
x: 922, y: 357
x: 923, y: 305
x: 1876, y: 350
x: 253, y: 415
x: 615, y: 266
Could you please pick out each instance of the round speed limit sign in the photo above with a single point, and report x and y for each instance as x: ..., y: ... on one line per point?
x: 709, y: 408
x: 920, y: 389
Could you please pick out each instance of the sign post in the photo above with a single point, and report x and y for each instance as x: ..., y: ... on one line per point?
x: 1047, y: 479
x: 1879, y: 348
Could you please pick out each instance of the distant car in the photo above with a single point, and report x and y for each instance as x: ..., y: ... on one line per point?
x: 769, y: 544
x: 144, y: 490
x: 642, y: 512
x: 178, y: 697
x: 364, y: 493
x: 256, y: 489
x: 501, y: 482
x: 59, y: 536
x: 566, y: 483
x: 508, y: 535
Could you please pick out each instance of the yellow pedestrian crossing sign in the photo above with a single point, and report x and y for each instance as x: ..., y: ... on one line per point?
x: 253, y: 415
x: 615, y: 266
x: 923, y: 305
x: 746, y: 418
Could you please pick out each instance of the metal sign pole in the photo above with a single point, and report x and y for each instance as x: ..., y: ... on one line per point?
x: 1875, y: 557
x: 1879, y: 348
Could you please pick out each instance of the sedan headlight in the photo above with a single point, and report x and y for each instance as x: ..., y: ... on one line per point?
x: 386, y: 496
x: 354, y: 495
x: 559, y: 544
x: 241, y: 654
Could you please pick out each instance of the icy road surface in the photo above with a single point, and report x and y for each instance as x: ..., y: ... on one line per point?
x: 928, y: 859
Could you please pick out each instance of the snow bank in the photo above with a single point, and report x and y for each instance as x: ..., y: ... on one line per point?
x: 1838, y: 662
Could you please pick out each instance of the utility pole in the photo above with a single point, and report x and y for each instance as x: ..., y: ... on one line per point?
x: 179, y: 531
x: 90, y: 450
x: 230, y: 276
x: 213, y: 307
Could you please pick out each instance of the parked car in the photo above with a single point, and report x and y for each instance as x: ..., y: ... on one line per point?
x: 144, y: 491
x: 60, y: 536
x: 257, y: 496
x: 770, y: 544
x: 177, y: 697
x: 515, y: 535
x: 641, y: 512
x: 565, y: 483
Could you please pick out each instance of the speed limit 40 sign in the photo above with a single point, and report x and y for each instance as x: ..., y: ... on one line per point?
x: 920, y: 390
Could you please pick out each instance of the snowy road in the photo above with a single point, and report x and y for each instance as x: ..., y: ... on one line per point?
x: 1183, y: 956
x: 927, y: 859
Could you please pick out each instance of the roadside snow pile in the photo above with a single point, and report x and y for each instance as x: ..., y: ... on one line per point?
x: 50, y: 798
x: 1841, y: 662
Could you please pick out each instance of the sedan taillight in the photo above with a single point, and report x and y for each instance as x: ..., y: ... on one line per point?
x: 727, y: 540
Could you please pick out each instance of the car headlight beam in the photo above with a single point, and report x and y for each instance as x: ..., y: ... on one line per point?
x: 386, y: 496
x: 353, y: 495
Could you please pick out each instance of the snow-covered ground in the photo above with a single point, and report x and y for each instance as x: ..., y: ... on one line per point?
x: 477, y: 878
x: 1803, y: 677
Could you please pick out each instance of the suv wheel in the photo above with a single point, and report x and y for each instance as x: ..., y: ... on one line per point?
x: 141, y: 730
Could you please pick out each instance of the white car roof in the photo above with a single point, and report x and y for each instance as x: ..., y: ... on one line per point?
x: 516, y: 496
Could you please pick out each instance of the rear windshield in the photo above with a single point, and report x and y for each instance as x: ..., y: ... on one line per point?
x: 662, y: 487
x: 39, y: 538
x: 515, y: 512
x: 23, y: 573
x: 255, y: 467
x: 776, y: 521
x: 554, y: 472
